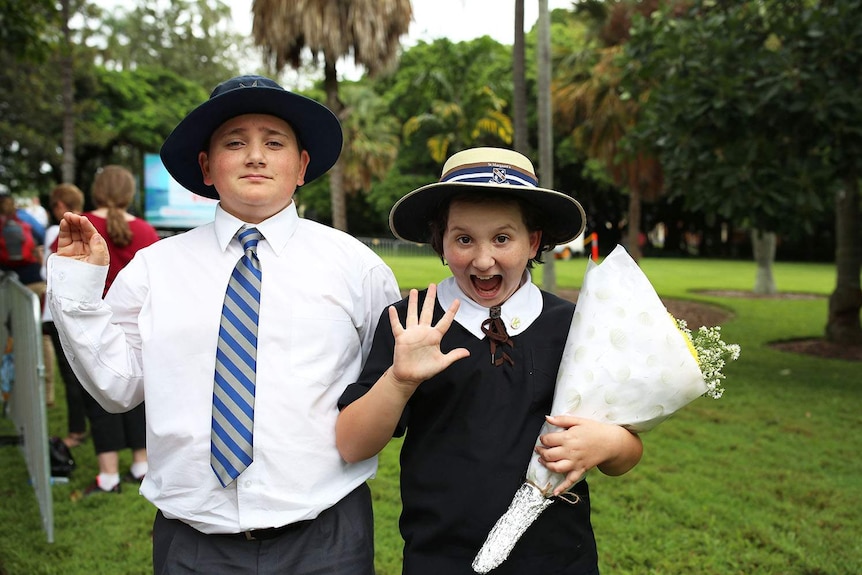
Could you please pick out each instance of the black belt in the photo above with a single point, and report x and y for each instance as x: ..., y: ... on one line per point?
x: 268, y: 533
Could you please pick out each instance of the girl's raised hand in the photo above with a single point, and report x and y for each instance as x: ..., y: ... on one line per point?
x: 417, y: 354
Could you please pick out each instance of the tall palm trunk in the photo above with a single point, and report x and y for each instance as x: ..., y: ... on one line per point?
x: 68, y: 96
x: 336, y: 173
x: 519, y: 81
x: 546, y: 135
x: 845, y: 302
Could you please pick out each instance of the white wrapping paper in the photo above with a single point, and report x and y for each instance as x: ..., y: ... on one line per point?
x: 625, y: 362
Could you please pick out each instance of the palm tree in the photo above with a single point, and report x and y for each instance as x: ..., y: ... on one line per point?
x: 453, y: 124
x: 453, y: 98
x: 590, y: 103
x: 372, y: 132
x: 367, y: 30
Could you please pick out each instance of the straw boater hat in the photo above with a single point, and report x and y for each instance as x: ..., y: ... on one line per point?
x: 316, y: 127
x: 493, y: 169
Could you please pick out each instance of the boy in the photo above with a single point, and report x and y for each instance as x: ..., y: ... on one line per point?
x: 246, y: 479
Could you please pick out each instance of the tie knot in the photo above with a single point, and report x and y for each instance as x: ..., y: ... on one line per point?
x: 248, y: 237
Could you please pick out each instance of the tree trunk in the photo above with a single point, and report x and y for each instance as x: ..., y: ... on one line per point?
x: 519, y: 80
x: 846, y: 301
x: 546, y: 136
x: 763, y: 247
x: 68, y: 163
x: 634, y: 217
x: 336, y: 173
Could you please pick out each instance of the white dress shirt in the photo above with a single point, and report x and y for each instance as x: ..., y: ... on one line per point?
x: 154, y: 337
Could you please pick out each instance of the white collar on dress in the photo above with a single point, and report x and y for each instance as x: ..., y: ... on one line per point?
x: 518, y: 312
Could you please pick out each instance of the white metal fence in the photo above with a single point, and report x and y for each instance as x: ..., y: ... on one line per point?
x: 385, y: 247
x: 24, y: 401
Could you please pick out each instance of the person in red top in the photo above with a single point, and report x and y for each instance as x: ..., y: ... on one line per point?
x: 113, y: 191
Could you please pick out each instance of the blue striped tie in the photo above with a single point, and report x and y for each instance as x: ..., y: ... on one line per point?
x: 236, y: 361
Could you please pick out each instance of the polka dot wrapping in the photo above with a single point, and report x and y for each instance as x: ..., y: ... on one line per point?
x: 625, y: 360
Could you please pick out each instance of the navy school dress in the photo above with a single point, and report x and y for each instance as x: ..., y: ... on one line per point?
x: 470, y: 433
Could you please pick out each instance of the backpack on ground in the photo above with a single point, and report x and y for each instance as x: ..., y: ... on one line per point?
x: 62, y: 463
x: 17, y: 245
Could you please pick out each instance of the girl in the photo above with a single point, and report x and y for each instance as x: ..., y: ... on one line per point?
x: 471, y: 386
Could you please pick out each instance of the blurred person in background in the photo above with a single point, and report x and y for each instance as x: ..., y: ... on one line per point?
x: 124, y: 234
x: 21, y: 253
x: 64, y: 198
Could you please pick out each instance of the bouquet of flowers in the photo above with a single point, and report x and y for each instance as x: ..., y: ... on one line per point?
x: 627, y: 361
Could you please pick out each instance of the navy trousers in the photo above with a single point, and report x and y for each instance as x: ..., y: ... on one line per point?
x: 340, y: 541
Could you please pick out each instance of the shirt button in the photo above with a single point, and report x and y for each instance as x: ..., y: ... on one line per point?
x: 247, y: 484
x: 61, y: 276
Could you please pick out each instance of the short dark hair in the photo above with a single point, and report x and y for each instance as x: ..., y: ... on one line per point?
x: 532, y: 216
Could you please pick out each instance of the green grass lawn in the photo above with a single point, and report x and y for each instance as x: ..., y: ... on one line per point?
x: 765, y: 481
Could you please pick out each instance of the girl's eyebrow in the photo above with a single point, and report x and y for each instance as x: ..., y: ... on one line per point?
x: 499, y: 230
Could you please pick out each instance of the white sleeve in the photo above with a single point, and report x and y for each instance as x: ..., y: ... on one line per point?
x: 101, y: 342
x: 50, y: 235
x: 381, y: 290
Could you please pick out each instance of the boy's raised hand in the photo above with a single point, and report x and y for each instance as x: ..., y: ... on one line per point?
x: 78, y: 239
x: 417, y: 354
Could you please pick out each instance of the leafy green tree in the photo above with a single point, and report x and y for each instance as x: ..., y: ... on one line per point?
x: 23, y: 24
x: 126, y: 113
x: 192, y: 38
x: 457, y: 95
x: 100, y: 97
x: 754, y: 113
x: 30, y: 123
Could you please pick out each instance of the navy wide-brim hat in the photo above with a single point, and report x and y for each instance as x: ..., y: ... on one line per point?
x: 317, y: 128
x: 498, y: 170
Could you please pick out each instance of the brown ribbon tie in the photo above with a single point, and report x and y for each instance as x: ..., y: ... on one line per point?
x: 495, y: 329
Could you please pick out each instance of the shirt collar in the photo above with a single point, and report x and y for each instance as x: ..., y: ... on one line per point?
x: 276, y: 229
x: 518, y: 312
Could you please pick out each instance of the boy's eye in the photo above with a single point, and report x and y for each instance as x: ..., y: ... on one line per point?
x: 464, y: 240
x: 233, y: 143
x: 275, y: 144
x: 502, y: 239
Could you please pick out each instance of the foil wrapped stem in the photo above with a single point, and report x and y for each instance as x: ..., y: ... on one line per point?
x: 526, y: 506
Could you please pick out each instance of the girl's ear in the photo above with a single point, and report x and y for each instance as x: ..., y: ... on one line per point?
x: 535, y: 241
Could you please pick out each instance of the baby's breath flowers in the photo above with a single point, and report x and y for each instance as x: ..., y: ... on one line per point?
x: 711, y: 353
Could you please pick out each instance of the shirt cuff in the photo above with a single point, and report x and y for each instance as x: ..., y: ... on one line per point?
x: 75, y: 280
